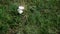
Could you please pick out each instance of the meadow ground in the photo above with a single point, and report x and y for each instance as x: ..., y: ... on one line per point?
x: 39, y: 17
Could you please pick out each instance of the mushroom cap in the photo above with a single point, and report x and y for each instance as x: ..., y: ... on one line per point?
x: 21, y: 7
x: 20, y: 11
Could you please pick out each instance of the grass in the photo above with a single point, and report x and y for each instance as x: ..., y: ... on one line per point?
x: 39, y: 17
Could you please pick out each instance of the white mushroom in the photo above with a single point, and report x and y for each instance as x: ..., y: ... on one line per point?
x: 20, y: 9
